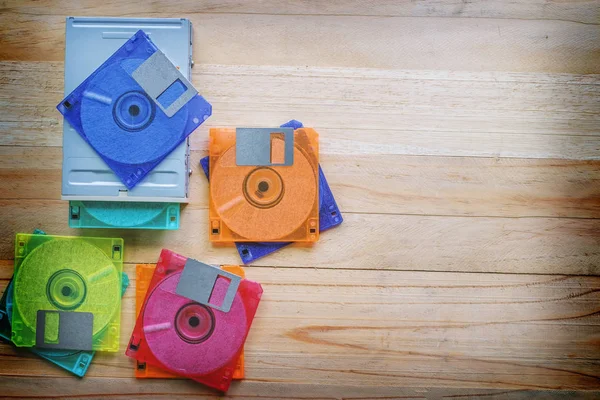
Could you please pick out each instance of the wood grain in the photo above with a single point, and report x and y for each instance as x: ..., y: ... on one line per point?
x: 126, y: 388
x: 393, y: 328
x: 462, y: 142
x: 452, y: 186
x: 584, y: 11
x: 363, y: 241
x: 353, y: 40
x: 389, y: 112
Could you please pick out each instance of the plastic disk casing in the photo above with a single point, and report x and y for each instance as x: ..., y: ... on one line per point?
x: 264, y: 185
x: 135, y: 109
x: 144, y: 274
x: 67, y: 292
x: 192, y: 335
x: 123, y: 215
x: 330, y: 215
x: 74, y: 361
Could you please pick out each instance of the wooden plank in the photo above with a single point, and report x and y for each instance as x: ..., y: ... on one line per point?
x: 421, y: 113
x: 359, y: 98
x: 126, y: 388
x: 383, y: 184
x: 363, y: 241
x: 392, y: 329
x: 467, y: 44
x: 585, y: 11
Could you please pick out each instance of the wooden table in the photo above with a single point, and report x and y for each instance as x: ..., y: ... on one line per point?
x: 462, y: 142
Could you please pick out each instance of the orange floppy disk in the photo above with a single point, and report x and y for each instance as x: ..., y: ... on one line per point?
x: 264, y: 185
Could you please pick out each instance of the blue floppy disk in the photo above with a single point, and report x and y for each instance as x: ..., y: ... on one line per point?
x: 329, y: 213
x: 135, y: 109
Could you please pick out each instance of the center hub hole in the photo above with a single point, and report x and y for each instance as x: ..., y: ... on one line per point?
x: 263, y: 186
x: 134, y: 110
x: 66, y: 291
x: 194, y: 321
